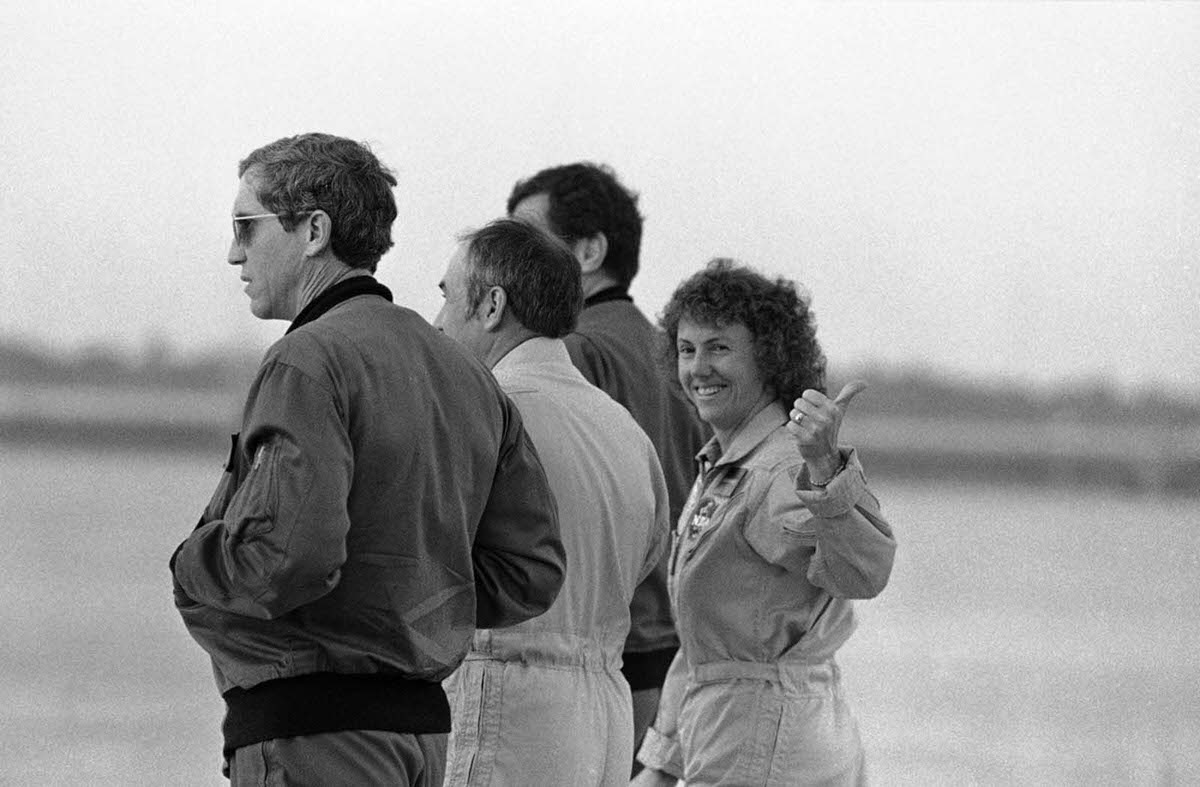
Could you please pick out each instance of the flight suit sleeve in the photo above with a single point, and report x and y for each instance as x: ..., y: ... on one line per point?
x: 660, y: 748
x: 855, y: 546
x: 836, y: 534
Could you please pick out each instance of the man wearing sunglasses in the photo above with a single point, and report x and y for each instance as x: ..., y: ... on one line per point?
x: 381, y: 500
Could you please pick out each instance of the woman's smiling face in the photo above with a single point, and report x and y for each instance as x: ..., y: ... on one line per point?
x: 719, y: 374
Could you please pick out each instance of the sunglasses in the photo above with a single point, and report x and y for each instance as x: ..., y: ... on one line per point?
x: 243, y: 228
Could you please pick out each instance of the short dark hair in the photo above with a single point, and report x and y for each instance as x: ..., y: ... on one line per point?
x: 342, y: 177
x: 777, y: 315
x: 537, y: 272
x: 586, y: 198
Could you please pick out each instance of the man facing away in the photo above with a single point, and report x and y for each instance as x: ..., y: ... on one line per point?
x: 381, y: 500
x: 614, y: 346
x: 544, y: 702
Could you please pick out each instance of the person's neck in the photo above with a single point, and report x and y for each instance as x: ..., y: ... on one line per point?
x: 324, y: 274
x: 506, y: 342
x: 725, y: 437
x: 596, y: 282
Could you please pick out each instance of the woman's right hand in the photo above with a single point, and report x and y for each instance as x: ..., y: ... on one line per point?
x: 649, y: 777
x: 814, y: 422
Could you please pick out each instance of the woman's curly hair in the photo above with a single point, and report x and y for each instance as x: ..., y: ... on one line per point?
x: 776, y: 313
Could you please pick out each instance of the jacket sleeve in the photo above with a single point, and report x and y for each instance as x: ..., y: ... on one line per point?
x: 280, y: 540
x: 518, y: 555
x: 837, y: 535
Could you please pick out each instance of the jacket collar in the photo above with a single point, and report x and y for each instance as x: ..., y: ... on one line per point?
x: 539, y: 351
x: 344, y: 290
x: 756, y: 430
x: 614, y: 293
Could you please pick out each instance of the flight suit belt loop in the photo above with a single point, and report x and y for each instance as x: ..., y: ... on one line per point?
x: 797, y: 676
x: 547, y: 650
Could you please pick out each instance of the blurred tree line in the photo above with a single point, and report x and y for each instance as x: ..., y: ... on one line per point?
x: 892, y: 390
x: 156, y: 366
x: 931, y: 393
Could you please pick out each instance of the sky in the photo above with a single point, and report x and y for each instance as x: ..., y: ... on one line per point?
x: 985, y: 190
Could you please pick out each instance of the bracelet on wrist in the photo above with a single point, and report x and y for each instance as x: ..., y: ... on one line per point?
x: 828, y: 481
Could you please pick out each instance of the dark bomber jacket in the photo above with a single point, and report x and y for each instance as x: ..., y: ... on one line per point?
x: 382, y: 501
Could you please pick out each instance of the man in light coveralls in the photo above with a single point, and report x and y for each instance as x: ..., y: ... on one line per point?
x: 544, y: 702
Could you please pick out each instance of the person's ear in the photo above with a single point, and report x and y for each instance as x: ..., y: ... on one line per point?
x: 319, y: 231
x: 591, y: 252
x: 495, y: 301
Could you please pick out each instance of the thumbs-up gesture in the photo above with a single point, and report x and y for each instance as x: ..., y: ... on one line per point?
x: 815, y: 421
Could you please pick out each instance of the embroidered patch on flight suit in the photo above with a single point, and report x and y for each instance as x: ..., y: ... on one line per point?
x: 717, y: 492
x: 702, y: 518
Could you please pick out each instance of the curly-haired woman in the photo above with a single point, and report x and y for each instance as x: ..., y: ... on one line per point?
x: 779, y: 533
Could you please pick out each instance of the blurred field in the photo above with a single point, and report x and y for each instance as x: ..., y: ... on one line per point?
x: 1029, y: 635
x: 1130, y: 451
x: 99, y: 682
x: 1032, y: 636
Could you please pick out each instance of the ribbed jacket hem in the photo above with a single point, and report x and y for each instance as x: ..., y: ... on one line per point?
x: 331, y: 702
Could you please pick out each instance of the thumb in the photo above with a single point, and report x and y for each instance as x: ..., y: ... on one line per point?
x: 851, y: 390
